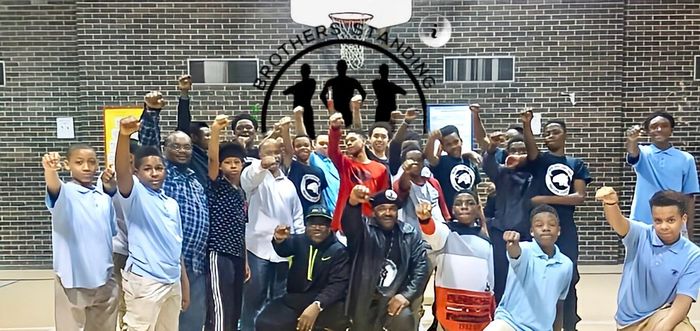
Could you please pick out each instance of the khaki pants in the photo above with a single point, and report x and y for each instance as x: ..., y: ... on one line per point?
x: 499, y: 325
x: 150, y: 305
x: 646, y: 323
x: 79, y: 309
x: 119, y: 263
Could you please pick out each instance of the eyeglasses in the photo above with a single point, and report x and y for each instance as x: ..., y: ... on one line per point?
x: 179, y: 147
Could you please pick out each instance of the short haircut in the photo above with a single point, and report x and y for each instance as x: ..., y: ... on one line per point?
x: 559, y: 122
x: 516, y: 139
x: 244, y: 116
x: 144, y: 152
x: 470, y: 192
x: 195, y: 128
x: 134, y: 145
x: 668, y: 198
x: 655, y: 114
x: 77, y: 147
x: 299, y: 136
x: 516, y: 127
x: 539, y: 209
x: 232, y: 150
x: 379, y: 125
x: 171, y: 136
x: 448, y: 130
x: 357, y: 132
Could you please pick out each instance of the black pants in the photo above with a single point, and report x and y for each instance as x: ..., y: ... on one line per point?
x: 568, y: 245
x: 500, y: 260
x: 225, y: 275
x: 405, y: 321
x: 281, y: 315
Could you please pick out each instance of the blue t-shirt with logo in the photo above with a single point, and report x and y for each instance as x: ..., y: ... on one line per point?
x: 309, y: 182
x: 455, y: 174
x: 555, y: 175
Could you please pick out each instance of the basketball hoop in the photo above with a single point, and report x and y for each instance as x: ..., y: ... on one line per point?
x: 353, y: 25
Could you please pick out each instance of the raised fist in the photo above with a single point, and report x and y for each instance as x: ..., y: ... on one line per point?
x: 108, y: 178
x: 424, y: 210
x: 154, y: 100
x: 281, y: 232
x: 284, y: 122
x: 220, y: 122
x: 511, y: 238
x: 268, y: 162
x: 356, y: 103
x: 184, y: 83
x: 607, y: 195
x: 51, y: 161
x: 359, y: 194
x: 526, y: 116
x: 435, y: 135
x: 411, y: 115
x: 475, y: 108
x: 396, y: 115
x: 298, y: 111
x: 411, y: 167
x: 128, y: 125
x: 634, y: 133
x: 336, y: 121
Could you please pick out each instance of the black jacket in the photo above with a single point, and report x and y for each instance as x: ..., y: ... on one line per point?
x: 366, y: 243
x: 318, y: 272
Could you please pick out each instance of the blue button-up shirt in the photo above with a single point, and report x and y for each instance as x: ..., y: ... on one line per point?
x: 330, y: 193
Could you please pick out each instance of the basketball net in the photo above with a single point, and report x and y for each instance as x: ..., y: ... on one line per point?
x: 352, y: 26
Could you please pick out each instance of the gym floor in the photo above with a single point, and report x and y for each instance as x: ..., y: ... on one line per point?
x: 26, y: 300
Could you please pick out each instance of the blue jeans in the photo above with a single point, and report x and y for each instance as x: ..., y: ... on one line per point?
x: 268, y: 281
x: 193, y: 318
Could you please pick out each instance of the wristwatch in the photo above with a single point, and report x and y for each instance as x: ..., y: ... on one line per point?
x: 318, y: 304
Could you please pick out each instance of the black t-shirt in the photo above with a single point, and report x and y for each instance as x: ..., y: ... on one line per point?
x: 309, y: 182
x: 392, y: 255
x: 455, y: 174
x: 555, y: 175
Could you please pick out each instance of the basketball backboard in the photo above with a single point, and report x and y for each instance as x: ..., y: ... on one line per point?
x: 384, y: 13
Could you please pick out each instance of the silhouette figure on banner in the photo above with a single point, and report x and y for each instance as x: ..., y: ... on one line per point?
x: 342, y: 90
x: 303, y: 91
x: 386, y: 92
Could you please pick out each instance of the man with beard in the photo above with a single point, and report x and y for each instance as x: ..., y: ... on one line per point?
x: 660, y: 166
x: 317, y: 282
x: 355, y: 168
x: 272, y: 201
x: 182, y: 185
x: 390, y: 267
x: 560, y: 181
x: 308, y: 180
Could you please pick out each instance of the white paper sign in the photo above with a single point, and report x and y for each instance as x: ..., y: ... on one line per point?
x: 64, y: 128
x: 536, y: 123
x: 457, y: 115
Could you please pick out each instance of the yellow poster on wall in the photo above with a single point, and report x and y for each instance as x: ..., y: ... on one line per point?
x: 112, y: 116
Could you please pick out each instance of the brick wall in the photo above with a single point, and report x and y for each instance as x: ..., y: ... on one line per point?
x: 67, y: 58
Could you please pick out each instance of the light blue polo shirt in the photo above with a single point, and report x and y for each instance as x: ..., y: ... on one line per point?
x: 654, y: 273
x: 535, y: 284
x: 82, y: 225
x: 669, y: 169
x: 330, y: 194
x: 155, y: 234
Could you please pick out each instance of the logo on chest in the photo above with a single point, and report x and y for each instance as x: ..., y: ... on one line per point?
x: 310, y: 188
x: 462, y: 177
x: 558, y: 179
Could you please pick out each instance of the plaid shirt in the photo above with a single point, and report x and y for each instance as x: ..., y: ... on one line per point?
x: 189, y: 194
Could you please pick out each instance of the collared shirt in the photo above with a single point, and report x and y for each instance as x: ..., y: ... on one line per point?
x: 656, y: 169
x: 654, y: 273
x: 155, y: 233
x: 272, y: 201
x: 83, y: 223
x: 330, y: 194
x: 120, y: 242
x: 534, y: 285
x: 184, y: 187
x: 227, y: 216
